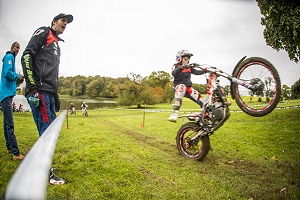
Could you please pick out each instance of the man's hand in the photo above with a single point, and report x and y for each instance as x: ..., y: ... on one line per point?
x: 20, y: 80
x: 194, y: 65
x: 34, y: 97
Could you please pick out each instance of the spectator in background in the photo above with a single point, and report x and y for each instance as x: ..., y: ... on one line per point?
x: 8, y: 85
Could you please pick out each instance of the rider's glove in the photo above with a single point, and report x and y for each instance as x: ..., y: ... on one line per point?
x: 57, y: 102
x: 186, y: 66
x: 194, y: 65
x: 34, y: 97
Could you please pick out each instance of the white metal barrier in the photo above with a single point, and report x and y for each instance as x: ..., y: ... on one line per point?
x: 31, y: 178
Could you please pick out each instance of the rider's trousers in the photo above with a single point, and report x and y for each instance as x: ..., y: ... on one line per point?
x: 182, y: 91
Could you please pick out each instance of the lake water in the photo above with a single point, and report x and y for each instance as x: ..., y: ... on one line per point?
x: 65, y: 103
x: 91, y: 103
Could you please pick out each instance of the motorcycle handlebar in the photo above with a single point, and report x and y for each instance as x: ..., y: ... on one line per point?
x: 206, y: 67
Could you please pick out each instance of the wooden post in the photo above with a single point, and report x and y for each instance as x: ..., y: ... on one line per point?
x: 67, y: 119
x: 143, y: 123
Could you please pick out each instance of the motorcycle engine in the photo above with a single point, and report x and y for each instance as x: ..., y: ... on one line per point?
x: 216, y: 114
x: 218, y: 111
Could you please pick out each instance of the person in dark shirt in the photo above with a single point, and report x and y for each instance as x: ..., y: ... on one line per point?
x: 40, y: 63
x: 182, y: 71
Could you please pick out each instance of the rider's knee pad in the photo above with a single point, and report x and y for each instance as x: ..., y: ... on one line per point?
x: 180, y: 91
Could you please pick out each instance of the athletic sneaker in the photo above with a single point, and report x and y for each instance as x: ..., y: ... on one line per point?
x: 174, y: 116
x: 55, y: 180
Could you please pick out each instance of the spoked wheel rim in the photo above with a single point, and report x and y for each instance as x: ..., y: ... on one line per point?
x: 190, y: 150
x: 262, y: 99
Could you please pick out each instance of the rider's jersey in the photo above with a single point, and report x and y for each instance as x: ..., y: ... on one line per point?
x: 183, y: 76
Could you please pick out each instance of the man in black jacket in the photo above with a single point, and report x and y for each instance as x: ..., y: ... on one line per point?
x: 40, y: 63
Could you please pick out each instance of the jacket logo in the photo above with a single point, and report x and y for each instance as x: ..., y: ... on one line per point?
x: 37, y: 32
x: 51, y: 38
x: 55, y: 48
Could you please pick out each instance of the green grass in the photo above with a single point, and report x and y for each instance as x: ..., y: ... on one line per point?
x: 108, y: 155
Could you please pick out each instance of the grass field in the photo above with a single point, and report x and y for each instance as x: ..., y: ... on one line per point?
x: 108, y: 155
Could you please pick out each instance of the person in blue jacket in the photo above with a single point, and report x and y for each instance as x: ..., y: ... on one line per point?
x: 8, y: 84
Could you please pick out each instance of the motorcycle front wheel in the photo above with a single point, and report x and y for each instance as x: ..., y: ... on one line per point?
x: 195, y: 150
x: 256, y: 71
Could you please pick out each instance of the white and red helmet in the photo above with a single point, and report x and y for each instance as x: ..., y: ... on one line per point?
x: 183, y: 53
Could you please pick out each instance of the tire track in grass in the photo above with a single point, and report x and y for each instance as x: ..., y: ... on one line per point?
x: 168, y: 148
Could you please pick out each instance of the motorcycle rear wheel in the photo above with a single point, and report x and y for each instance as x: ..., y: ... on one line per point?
x: 197, y: 151
x: 263, y: 101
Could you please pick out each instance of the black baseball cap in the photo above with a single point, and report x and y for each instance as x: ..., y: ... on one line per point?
x: 62, y: 15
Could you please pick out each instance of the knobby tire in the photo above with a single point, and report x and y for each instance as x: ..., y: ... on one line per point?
x: 194, y: 152
x: 256, y: 67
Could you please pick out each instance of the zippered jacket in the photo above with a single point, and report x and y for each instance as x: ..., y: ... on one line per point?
x: 183, y: 76
x: 40, y: 61
x: 9, y: 76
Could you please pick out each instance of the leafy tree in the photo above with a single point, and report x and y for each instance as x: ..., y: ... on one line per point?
x: 286, y: 92
x: 227, y: 89
x: 295, y: 90
x: 159, y: 79
x: 282, y: 25
x: 64, y: 86
x: 137, y: 78
x: 136, y: 91
x: 106, y: 81
x: 146, y: 96
x: 200, y: 88
x: 115, y: 86
x: 268, y: 82
x: 168, y: 95
x: 158, y: 94
x: 95, y: 87
x: 79, y: 87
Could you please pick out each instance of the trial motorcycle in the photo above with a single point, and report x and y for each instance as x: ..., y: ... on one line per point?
x: 255, y: 87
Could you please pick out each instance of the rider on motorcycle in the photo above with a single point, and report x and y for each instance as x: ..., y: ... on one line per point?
x: 182, y: 71
x: 84, y: 107
x: 72, y: 107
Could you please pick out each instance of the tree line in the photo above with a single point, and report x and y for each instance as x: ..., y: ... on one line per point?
x: 130, y: 90
x: 137, y: 90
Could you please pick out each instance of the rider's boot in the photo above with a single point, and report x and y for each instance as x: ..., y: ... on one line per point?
x: 176, y: 106
x: 174, y: 116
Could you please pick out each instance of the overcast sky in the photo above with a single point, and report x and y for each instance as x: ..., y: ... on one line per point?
x: 115, y: 37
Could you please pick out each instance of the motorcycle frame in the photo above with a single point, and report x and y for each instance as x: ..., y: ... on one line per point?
x: 213, y: 84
